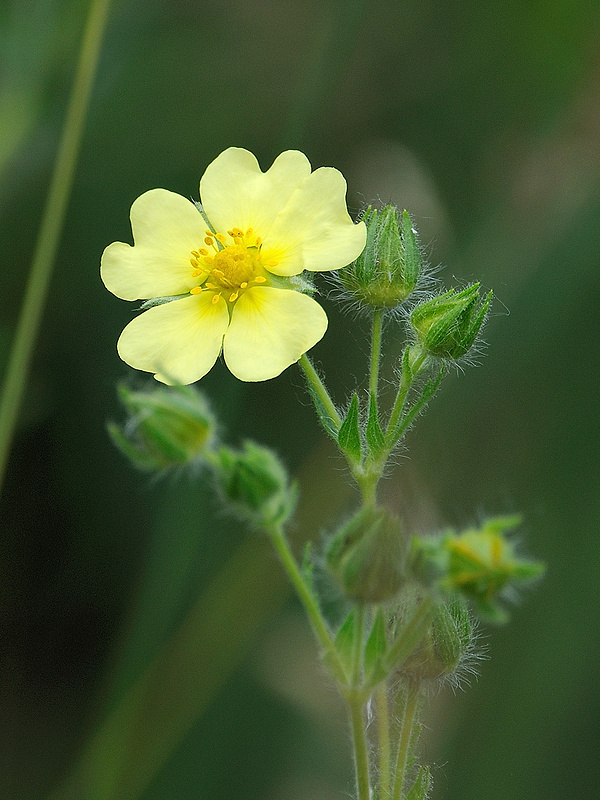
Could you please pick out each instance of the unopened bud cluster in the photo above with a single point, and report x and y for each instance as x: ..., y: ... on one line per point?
x: 448, y: 325
x: 172, y: 426
x: 480, y: 563
x: 389, y: 268
x: 167, y: 427
x: 367, y: 556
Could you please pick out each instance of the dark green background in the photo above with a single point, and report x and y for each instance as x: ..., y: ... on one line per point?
x: 482, y: 118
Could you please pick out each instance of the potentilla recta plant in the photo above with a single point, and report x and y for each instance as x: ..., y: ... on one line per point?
x: 232, y: 275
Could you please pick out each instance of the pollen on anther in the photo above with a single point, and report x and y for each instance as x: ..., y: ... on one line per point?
x: 203, y: 252
x: 233, y: 296
x: 221, y: 238
x: 194, y: 262
x: 215, y: 299
x: 260, y: 279
x: 208, y: 240
x: 243, y: 285
x: 196, y: 290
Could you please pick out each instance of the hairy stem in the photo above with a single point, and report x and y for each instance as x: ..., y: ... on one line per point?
x: 309, y: 602
x: 320, y: 390
x: 383, y: 725
x: 409, y: 717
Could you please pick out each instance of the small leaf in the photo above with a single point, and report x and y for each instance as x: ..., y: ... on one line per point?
x: 420, y: 788
x: 375, y: 437
x: 349, y: 433
x: 375, y: 650
x: 344, y: 639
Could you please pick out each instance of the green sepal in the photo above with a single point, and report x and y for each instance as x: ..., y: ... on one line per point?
x: 413, y: 260
x: 349, y: 434
x: 375, y: 651
x: 136, y: 455
x: 375, y: 437
x: 421, y: 787
x: 344, y: 640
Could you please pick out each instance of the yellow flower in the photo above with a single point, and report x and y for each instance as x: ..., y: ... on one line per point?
x: 228, y: 273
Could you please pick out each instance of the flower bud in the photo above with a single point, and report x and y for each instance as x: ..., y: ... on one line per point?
x: 480, y: 564
x: 167, y: 427
x: 447, y: 325
x: 444, y: 646
x: 367, y: 556
x: 255, y: 483
x: 389, y: 268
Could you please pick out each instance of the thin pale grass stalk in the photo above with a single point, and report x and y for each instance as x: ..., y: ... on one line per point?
x: 51, y: 226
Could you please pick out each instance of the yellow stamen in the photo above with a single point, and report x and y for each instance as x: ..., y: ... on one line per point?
x: 260, y: 279
x: 234, y: 296
x: 203, y: 252
x: 196, y: 290
x: 208, y: 240
x: 215, y: 299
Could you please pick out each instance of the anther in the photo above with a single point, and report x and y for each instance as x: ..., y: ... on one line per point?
x: 215, y: 299
x: 196, y: 290
x: 233, y: 296
x: 260, y: 279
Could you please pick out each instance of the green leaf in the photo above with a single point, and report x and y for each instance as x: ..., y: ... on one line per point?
x: 375, y: 650
x: 420, y: 788
x: 375, y: 437
x: 349, y: 433
x: 344, y: 640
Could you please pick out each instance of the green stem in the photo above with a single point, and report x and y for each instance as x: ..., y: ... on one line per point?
x: 309, y: 602
x: 320, y: 390
x: 406, y: 734
x: 375, y: 350
x: 361, y: 749
x: 403, y: 389
x: 411, y: 634
x: 50, y: 229
x: 357, y: 655
x: 383, y: 725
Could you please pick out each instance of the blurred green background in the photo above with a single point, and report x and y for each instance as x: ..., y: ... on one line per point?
x: 483, y: 119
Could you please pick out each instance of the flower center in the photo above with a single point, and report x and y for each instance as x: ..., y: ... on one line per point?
x: 231, y: 268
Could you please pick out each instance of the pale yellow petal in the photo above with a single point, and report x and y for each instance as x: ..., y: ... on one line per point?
x: 235, y: 193
x: 179, y: 341
x: 166, y: 228
x: 270, y: 329
x: 314, y: 231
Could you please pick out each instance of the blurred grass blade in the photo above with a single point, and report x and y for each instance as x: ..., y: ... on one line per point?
x: 50, y: 229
